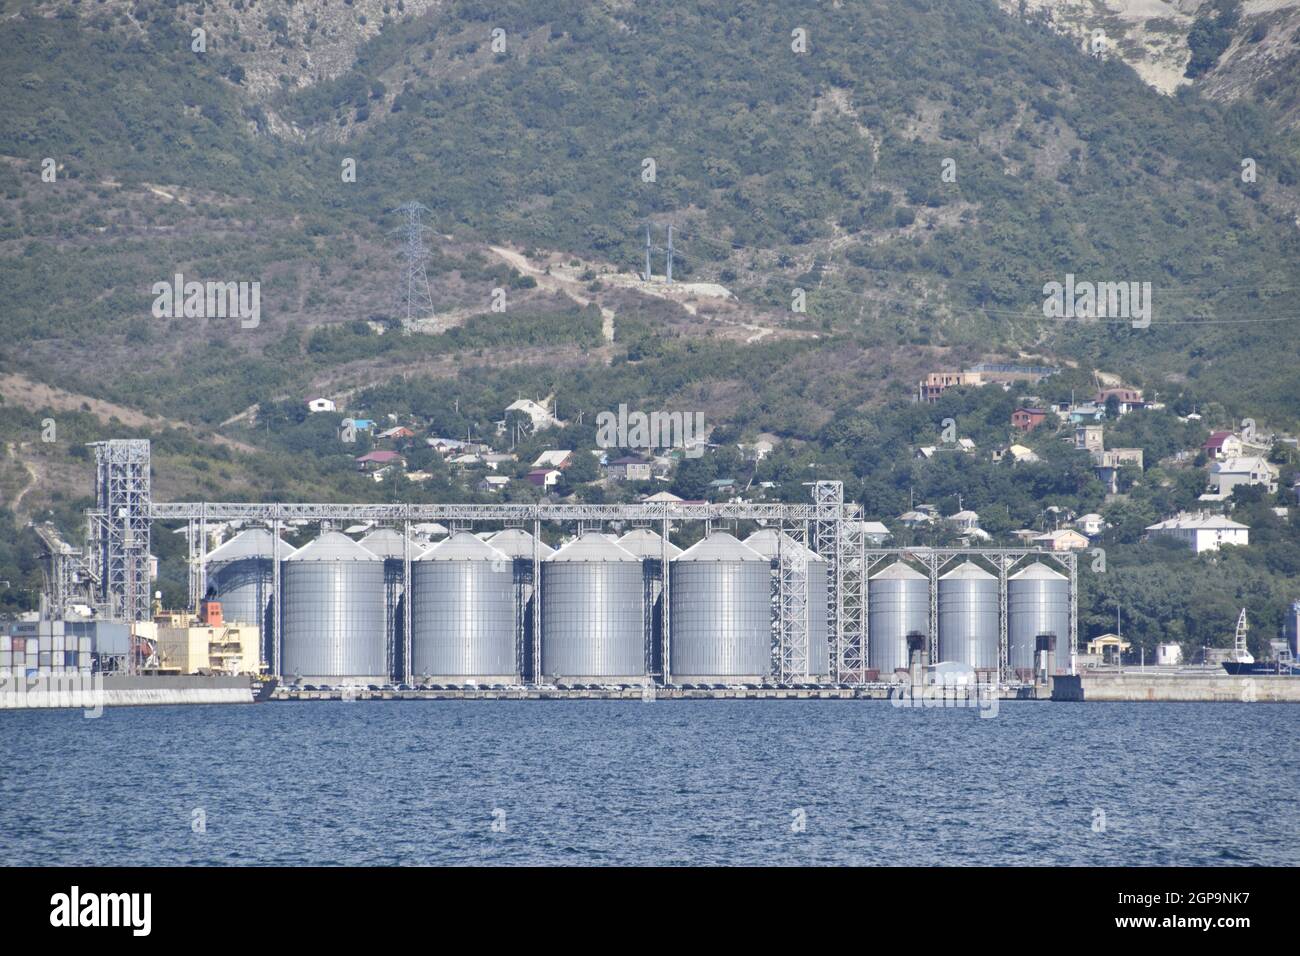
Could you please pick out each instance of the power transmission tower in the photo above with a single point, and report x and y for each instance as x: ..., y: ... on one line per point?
x: 416, y: 297
x: 651, y: 247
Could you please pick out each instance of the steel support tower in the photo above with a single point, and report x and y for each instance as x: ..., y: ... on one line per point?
x: 117, y: 547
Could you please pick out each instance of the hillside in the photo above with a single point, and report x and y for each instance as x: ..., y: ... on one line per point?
x: 912, y: 175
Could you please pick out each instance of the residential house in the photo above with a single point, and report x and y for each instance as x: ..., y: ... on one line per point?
x: 545, y: 477
x: 321, y: 405
x: 1019, y: 454
x: 662, y: 496
x: 1202, y: 531
x: 1232, y: 473
x: 965, y: 520
x: 554, y: 458
x: 875, y: 532
x: 467, y: 460
x: 492, y: 483
x: 758, y: 450
x: 915, y: 519
x: 537, y: 412
x: 1063, y: 539
x: 1090, y: 437
x: 1107, y: 465
x: 631, y: 468
x: 373, y: 460
x: 495, y: 460
x: 933, y: 385
x: 1086, y: 412
x: 1091, y: 524
x: 1223, y: 445
x: 397, y: 433
x: 1128, y: 398
x: 721, y: 485
x: 1027, y: 419
x: 444, y: 446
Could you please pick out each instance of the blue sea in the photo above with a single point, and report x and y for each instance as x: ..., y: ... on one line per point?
x: 662, y: 783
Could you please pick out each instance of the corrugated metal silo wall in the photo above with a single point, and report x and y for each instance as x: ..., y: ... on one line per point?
x: 819, y: 628
x: 243, y: 587
x: 333, y: 619
x: 394, y: 613
x: 1037, y: 607
x: 721, y: 619
x: 463, y: 619
x: 593, y: 619
x: 968, y: 621
x: 523, y: 602
x: 896, y: 607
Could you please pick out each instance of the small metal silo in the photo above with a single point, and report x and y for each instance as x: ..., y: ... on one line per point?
x: 968, y: 617
x: 1038, y: 605
x: 333, y: 594
x: 898, y: 612
x: 463, y: 613
x: 388, y: 544
x: 593, y: 612
x: 517, y: 544
x: 649, y: 547
x: 766, y: 543
x: 721, y: 612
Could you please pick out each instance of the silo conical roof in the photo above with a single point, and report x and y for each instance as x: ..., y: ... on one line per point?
x: 645, y: 543
x: 333, y: 546
x: 253, y: 543
x: 386, y: 543
x: 593, y: 546
x: 969, y: 571
x: 721, y: 547
x: 898, y: 571
x: 1037, y: 572
x: 463, y: 546
x: 765, y: 543
x: 518, y: 543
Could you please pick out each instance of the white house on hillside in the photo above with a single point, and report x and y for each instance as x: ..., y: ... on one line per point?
x: 321, y: 405
x: 1231, y: 473
x: 1202, y: 531
x: 537, y: 413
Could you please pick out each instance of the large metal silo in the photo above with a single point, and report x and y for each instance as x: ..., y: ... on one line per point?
x: 241, y: 575
x: 517, y: 544
x: 649, y: 547
x: 333, y: 594
x: 898, y: 611
x: 593, y: 612
x: 968, y: 616
x: 767, y: 543
x: 389, y: 544
x: 1038, y: 604
x: 721, y: 613
x: 463, y: 613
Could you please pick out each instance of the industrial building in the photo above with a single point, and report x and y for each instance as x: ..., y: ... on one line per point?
x: 768, y: 593
x: 208, y: 644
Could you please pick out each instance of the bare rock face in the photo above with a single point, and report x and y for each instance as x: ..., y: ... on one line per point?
x: 1260, y: 62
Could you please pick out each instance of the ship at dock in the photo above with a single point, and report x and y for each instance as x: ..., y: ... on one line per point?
x: 1241, y: 663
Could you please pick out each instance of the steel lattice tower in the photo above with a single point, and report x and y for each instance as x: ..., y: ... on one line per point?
x: 118, y: 530
x: 415, y: 298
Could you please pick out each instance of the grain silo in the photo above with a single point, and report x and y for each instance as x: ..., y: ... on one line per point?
x: 517, y: 544
x: 968, y: 617
x: 1038, y: 605
x: 898, y: 617
x: 721, y: 617
x: 241, y: 575
x: 649, y: 547
x: 593, y: 613
x: 766, y: 543
x: 463, y: 613
x: 333, y: 594
x: 388, y: 544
